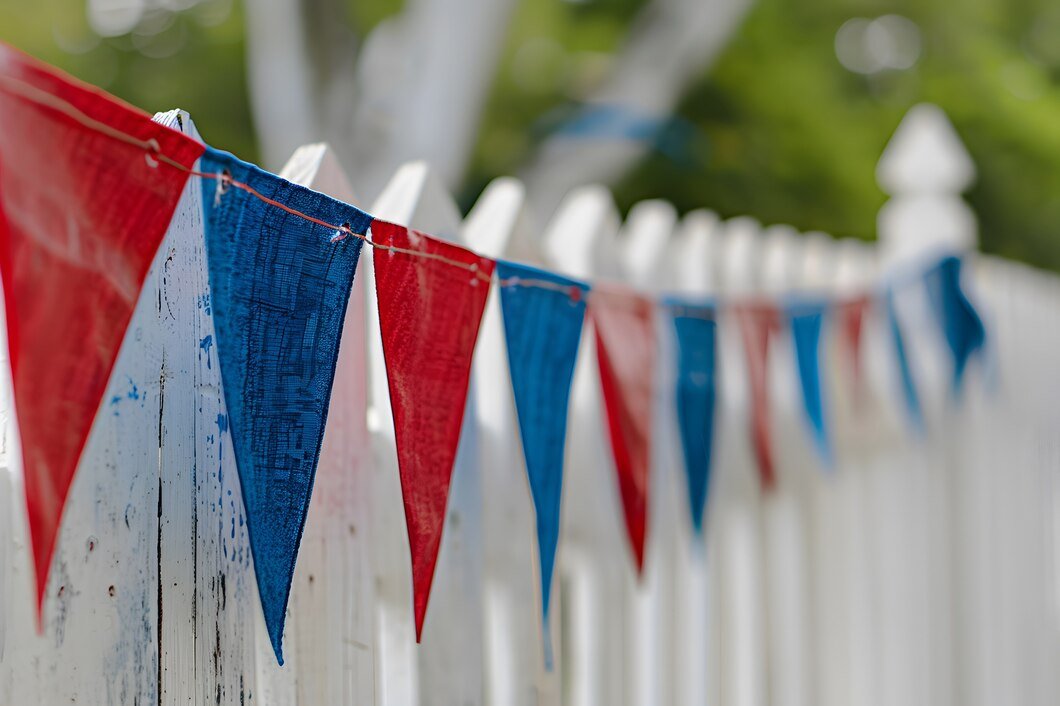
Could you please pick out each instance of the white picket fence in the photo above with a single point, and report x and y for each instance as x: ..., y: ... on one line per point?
x: 921, y: 571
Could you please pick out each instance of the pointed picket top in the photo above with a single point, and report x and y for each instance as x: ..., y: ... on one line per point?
x: 416, y: 197
x: 778, y: 258
x: 580, y: 240
x: 643, y: 240
x: 925, y: 155
x: 740, y: 248
x: 816, y: 267
x: 499, y: 224
x: 317, y: 167
x: 690, y: 257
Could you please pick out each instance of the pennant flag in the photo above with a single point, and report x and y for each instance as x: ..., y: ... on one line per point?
x: 625, y: 349
x: 757, y: 325
x: 696, y: 330
x: 851, y: 322
x: 543, y: 316
x: 279, y: 285
x: 806, y: 319
x: 84, y: 204
x: 905, y: 371
x: 431, y: 298
x: 957, y: 316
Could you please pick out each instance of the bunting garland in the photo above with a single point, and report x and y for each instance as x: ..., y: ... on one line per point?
x: 542, y: 328
x: 430, y: 308
x: 279, y: 286
x: 87, y: 189
x: 851, y: 324
x: 81, y: 217
x: 905, y: 370
x: 625, y: 347
x: 696, y: 331
x: 960, y: 323
x: 757, y: 326
x: 806, y: 319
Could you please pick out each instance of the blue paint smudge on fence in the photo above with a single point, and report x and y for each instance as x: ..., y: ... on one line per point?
x: 205, y: 345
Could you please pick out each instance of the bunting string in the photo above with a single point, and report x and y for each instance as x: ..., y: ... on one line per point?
x: 755, y: 305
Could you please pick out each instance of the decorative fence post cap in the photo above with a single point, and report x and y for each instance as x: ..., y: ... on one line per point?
x: 925, y: 155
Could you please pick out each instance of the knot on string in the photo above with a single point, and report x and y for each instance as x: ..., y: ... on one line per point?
x: 153, y: 148
x: 341, y: 233
x: 224, y: 180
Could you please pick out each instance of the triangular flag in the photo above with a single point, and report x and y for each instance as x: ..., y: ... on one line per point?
x: 279, y: 285
x: 625, y: 346
x: 757, y: 325
x: 543, y: 315
x: 960, y: 322
x: 696, y: 330
x: 431, y: 296
x: 84, y: 204
x: 851, y: 315
x: 905, y: 370
x: 806, y: 320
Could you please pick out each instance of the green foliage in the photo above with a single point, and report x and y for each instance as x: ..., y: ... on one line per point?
x: 192, y: 60
x: 777, y: 128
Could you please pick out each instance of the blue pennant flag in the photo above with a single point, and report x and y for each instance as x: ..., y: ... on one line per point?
x: 695, y: 393
x: 806, y: 321
x: 960, y: 322
x: 279, y: 285
x: 905, y: 370
x: 543, y: 315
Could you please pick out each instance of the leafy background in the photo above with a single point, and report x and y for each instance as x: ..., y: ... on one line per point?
x: 776, y: 128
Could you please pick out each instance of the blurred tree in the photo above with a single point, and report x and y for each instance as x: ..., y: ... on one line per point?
x: 786, y: 125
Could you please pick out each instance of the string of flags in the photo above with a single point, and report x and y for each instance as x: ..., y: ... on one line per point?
x: 88, y: 186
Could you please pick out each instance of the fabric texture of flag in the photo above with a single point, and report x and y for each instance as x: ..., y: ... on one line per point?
x: 696, y: 331
x: 84, y: 205
x: 279, y: 287
x: 430, y: 307
x: 625, y: 346
x: 543, y: 316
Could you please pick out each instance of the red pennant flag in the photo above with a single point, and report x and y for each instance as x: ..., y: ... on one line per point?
x: 757, y: 325
x: 429, y: 313
x: 86, y: 195
x: 625, y: 349
x: 851, y: 318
